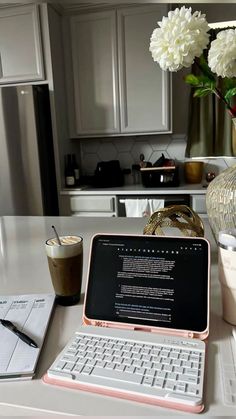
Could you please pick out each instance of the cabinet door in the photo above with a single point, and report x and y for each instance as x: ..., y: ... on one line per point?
x: 144, y: 87
x: 198, y: 203
x: 20, y: 44
x: 94, y: 54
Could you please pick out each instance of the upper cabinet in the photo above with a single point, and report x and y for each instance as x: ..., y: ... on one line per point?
x: 116, y: 87
x: 94, y: 56
x: 144, y: 87
x: 20, y: 44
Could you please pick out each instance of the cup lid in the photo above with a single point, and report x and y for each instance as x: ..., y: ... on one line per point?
x: 227, y: 239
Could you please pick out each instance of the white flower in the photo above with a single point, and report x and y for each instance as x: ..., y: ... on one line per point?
x: 222, y: 54
x: 182, y: 36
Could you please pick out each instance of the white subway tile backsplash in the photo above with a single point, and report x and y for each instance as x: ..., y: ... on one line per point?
x: 107, y: 151
x: 160, y: 144
x: 176, y: 149
x: 128, y: 149
x: 89, y: 163
x: 90, y: 146
x: 124, y: 144
x: 141, y: 147
x: 125, y: 159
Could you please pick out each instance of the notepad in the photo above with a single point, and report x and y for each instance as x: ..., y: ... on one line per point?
x: 30, y: 314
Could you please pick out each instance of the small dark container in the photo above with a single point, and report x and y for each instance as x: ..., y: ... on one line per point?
x: 108, y: 174
x: 160, y: 177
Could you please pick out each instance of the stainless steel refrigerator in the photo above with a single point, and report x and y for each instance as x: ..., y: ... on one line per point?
x: 27, y: 165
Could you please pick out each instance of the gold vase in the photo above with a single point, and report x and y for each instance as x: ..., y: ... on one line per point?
x: 221, y: 196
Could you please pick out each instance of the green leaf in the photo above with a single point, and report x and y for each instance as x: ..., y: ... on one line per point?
x: 230, y: 93
x: 201, y: 92
x: 229, y: 83
x: 192, y: 79
x: 200, y: 81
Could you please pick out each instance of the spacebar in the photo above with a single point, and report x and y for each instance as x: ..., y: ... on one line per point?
x: 116, y: 375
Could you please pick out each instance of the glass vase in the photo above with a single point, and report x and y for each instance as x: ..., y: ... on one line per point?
x: 221, y: 201
x: 221, y: 196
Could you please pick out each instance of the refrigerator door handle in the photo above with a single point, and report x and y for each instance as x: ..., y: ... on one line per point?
x: 1, y: 74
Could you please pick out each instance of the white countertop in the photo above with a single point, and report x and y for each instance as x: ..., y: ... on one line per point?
x: 23, y: 269
x: 195, y: 189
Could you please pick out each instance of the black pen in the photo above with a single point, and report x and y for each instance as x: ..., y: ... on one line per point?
x: 9, y: 325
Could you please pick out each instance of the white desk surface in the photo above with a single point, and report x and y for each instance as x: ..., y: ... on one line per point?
x: 23, y: 269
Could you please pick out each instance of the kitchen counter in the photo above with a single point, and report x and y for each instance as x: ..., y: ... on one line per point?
x: 191, y: 189
x: 23, y: 269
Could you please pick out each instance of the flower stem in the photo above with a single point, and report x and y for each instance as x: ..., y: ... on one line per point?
x: 221, y: 97
x: 217, y: 92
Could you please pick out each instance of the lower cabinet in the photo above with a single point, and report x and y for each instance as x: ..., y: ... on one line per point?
x: 109, y: 205
x: 198, y: 204
x: 93, y: 206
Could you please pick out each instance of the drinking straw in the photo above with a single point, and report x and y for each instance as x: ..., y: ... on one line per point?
x: 58, y: 239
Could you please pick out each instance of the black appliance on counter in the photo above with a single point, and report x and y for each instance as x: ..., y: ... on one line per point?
x: 108, y: 174
x: 160, y: 176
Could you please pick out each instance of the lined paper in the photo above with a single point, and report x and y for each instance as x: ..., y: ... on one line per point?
x: 30, y: 314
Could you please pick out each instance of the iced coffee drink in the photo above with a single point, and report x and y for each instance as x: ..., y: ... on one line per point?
x: 65, y: 263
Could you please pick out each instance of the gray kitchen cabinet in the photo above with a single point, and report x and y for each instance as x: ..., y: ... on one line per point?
x: 88, y: 205
x: 198, y: 204
x: 117, y: 88
x: 94, y: 58
x: 144, y: 87
x: 20, y: 44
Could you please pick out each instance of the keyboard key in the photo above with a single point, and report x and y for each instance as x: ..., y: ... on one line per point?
x: 190, y: 371
x: 178, y: 370
x: 130, y: 370
x: 171, y: 376
x: 120, y: 367
x: 159, y: 382
x: 150, y: 372
x: 147, y: 381
x: 147, y: 364
x: 167, y: 368
x: 192, y: 390
x: 157, y: 367
x: 169, y: 385
x: 68, y: 367
x: 91, y: 362
x: 60, y: 365
x: 87, y: 370
x: 176, y: 362
x: 180, y: 388
x: 183, y: 357
x: 188, y: 379
x: 117, y: 375
x: 137, y: 363
x: 161, y: 374
x: 186, y: 364
x: 146, y: 357
x: 110, y: 365
x: 140, y: 371
x: 166, y: 361
x: 69, y: 358
x: 100, y: 364
x: 77, y: 368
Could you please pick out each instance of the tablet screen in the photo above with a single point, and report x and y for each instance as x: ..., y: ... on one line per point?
x: 149, y: 280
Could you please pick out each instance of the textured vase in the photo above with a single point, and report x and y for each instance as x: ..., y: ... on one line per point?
x: 221, y: 201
